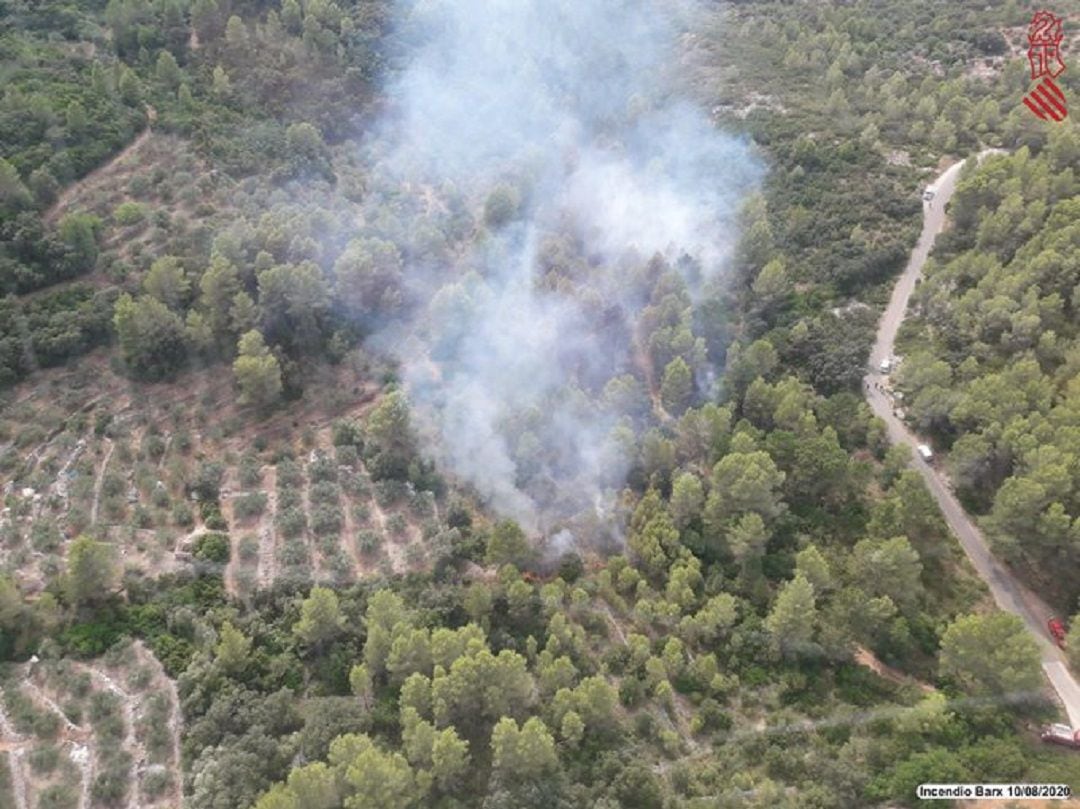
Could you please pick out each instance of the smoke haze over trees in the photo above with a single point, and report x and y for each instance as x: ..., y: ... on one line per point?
x: 608, y: 202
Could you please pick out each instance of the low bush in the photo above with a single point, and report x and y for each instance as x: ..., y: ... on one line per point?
x: 128, y: 214
x: 213, y: 548
x: 250, y: 505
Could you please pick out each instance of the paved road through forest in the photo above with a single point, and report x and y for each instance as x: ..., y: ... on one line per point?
x: 1008, y: 592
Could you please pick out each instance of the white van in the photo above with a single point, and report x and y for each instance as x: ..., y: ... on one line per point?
x: 925, y: 453
x: 886, y: 366
x: 928, y: 194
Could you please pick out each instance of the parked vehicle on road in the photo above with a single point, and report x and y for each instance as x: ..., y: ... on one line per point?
x: 925, y: 453
x: 1061, y: 734
x: 928, y: 194
x: 1057, y: 630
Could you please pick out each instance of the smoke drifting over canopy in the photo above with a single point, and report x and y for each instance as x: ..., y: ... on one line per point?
x: 566, y: 109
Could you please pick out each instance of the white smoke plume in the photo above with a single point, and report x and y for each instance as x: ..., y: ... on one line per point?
x: 571, y: 108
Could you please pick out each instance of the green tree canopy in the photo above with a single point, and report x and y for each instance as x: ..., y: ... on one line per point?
x: 320, y: 617
x: 991, y: 654
x: 92, y: 571
x: 257, y: 371
x: 508, y: 544
x: 368, y: 278
x: 233, y: 649
x: 167, y: 282
x: 152, y: 337
x: 677, y: 386
x: 391, y: 446
x: 792, y: 619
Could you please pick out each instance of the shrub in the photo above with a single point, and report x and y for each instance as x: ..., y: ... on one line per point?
x: 248, y: 549
x: 414, y: 554
x: 347, y: 456
x: 105, y: 714
x: 322, y: 469
x: 291, y: 522
x: 45, y: 536
x: 631, y: 691
x: 422, y: 504
x: 207, y: 483
x: 250, y: 471
x: 250, y: 505
x: 73, y: 711
x: 142, y: 518
x: 326, y: 519
x: 152, y: 727
x: 367, y: 542
x: 140, y: 678
x: 138, y: 185
x: 156, y: 783
x: 324, y: 493
x: 339, y: 564
x: 388, y: 492
x: 356, y: 485
x: 182, y: 514
x: 10, y: 536
x: 294, y: 552
x: 129, y: 213
x: 153, y: 446
x: 289, y: 498
x: 43, y: 759
x: 111, y: 785
x: 112, y: 485
x: 46, y: 725
x: 213, y: 548
x: 711, y: 716
x: 458, y: 514
x: 289, y: 475
x: 347, y: 433
x: 32, y: 434
x: 396, y: 524
x: 58, y: 796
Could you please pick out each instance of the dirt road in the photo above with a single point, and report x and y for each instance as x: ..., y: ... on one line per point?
x: 1008, y: 592
x: 94, y: 178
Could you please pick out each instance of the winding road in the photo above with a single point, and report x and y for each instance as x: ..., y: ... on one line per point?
x: 1007, y: 591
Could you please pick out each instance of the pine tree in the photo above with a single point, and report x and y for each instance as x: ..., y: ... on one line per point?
x: 257, y: 372
x: 320, y: 617
x: 92, y: 571
x: 168, y: 71
x: 677, y: 387
x: 233, y: 648
x: 792, y: 618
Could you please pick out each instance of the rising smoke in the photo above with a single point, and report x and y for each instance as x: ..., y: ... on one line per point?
x: 568, y: 111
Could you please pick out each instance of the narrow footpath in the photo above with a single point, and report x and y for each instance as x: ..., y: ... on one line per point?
x: 93, y: 179
x: 1007, y: 591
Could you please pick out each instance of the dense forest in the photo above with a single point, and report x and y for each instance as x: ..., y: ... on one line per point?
x: 385, y: 485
